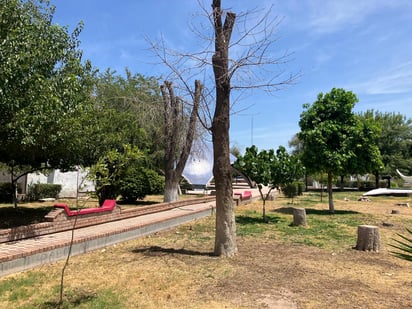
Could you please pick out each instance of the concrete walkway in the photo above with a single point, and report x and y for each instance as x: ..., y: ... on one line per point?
x: 25, y: 254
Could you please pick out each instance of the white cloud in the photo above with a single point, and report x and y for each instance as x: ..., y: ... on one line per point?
x: 329, y: 16
x: 394, y: 80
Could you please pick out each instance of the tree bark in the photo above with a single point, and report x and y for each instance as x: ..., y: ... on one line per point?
x: 330, y: 193
x: 225, y: 240
x: 171, y: 192
x: 368, y: 238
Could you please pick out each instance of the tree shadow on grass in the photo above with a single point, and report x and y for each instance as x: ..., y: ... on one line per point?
x: 320, y: 212
x: 270, y: 219
x: 76, y: 299
x: 156, y: 251
x: 14, y: 217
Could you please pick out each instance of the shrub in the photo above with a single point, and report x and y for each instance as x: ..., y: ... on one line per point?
x: 43, y: 190
x: 137, y: 182
x: 6, y: 192
x: 369, y: 185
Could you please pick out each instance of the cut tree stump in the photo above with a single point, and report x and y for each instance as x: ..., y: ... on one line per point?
x: 368, y: 238
x: 299, y: 216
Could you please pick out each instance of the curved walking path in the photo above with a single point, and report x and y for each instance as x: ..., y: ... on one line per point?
x: 24, y: 254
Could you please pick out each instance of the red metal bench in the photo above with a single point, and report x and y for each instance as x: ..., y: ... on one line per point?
x: 107, y: 206
x: 245, y: 195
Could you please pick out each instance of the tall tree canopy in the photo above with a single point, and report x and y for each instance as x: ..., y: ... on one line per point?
x: 332, y: 137
x: 128, y: 110
x: 394, y: 140
x: 44, y: 88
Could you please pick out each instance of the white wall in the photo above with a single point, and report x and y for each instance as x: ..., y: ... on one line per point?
x: 68, y: 180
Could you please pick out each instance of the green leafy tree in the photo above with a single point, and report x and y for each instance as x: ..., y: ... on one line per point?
x: 106, y: 129
x: 44, y: 87
x: 327, y: 130
x: 135, y: 108
x: 269, y: 169
x: 394, y: 141
x: 367, y: 155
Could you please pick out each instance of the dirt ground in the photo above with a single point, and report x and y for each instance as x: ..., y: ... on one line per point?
x: 269, y: 273
x: 274, y: 275
x: 279, y: 276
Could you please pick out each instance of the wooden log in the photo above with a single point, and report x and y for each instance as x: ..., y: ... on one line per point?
x: 395, y: 211
x: 299, y: 216
x: 368, y: 238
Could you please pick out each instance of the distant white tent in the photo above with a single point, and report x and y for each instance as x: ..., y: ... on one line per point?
x: 199, y: 166
x: 407, y: 179
x: 386, y: 191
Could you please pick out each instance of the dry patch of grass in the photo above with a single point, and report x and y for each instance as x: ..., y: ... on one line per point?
x: 278, y: 266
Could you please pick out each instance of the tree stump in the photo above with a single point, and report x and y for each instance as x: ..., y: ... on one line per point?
x: 299, y: 216
x: 368, y: 238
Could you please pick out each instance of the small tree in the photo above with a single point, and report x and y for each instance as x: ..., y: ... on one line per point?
x: 327, y: 131
x: 268, y: 169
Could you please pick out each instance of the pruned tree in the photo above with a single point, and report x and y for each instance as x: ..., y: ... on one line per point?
x: 252, y: 66
x: 178, y: 133
x: 225, y: 240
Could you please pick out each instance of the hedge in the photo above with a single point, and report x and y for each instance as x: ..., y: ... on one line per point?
x: 38, y: 191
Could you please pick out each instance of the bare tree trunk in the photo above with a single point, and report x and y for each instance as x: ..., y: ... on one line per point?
x: 376, y: 180
x: 330, y: 193
x: 225, y: 240
x: 176, y: 154
x: 171, y: 187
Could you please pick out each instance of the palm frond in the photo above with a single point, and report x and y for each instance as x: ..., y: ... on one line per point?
x: 404, y: 245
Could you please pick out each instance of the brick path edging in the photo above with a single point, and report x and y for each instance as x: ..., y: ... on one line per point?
x: 58, y: 221
x: 29, y: 253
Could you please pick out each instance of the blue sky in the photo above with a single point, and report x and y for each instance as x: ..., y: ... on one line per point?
x: 359, y: 45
